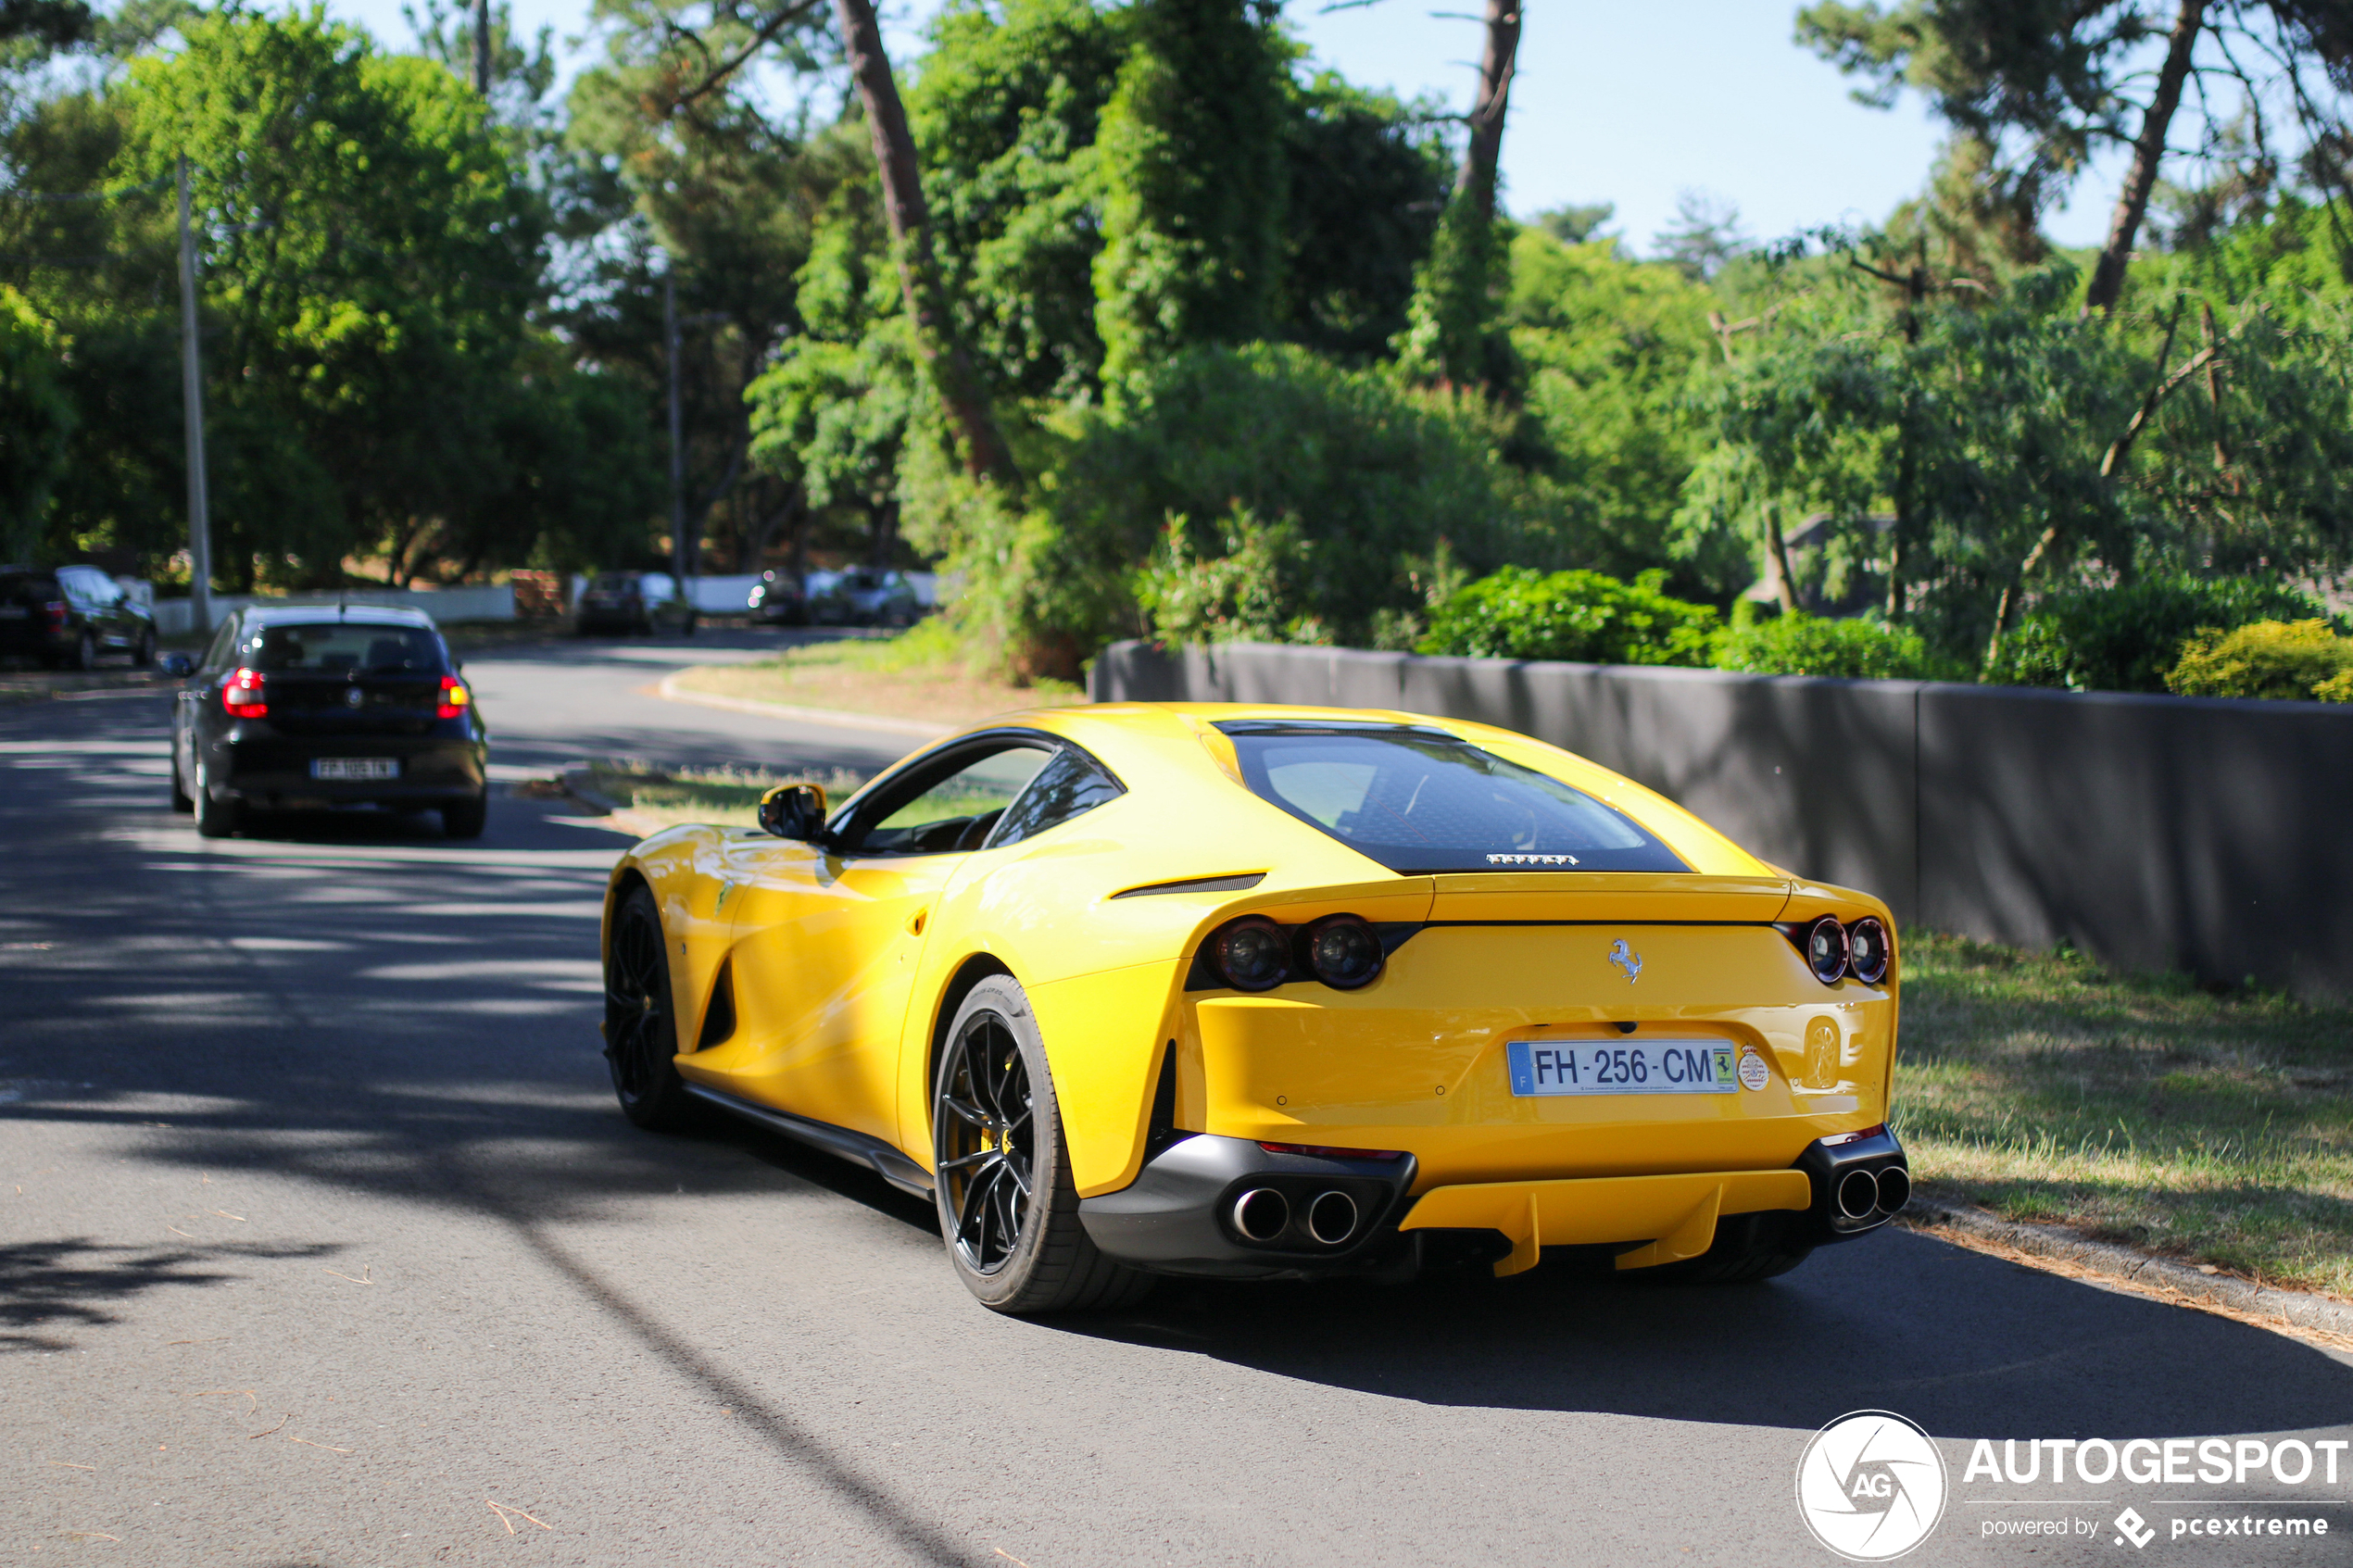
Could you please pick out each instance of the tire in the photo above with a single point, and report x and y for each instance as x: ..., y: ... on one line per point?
x: 466, y: 819
x: 84, y: 656
x: 692, y: 622
x: 181, y: 800
x: 215, y: 819
x: 1008, y: 1208
x: 142, y: 652
x: 641, y: 1028
x: 1748, y: 1247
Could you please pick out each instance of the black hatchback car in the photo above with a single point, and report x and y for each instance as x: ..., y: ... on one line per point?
x: 301, y: 706
x: 68, y: 615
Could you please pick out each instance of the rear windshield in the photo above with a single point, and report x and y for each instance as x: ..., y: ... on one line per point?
x: 611, y: 583
x: 340, y: 648
x: 27, y: 588
x: 1422, y: 800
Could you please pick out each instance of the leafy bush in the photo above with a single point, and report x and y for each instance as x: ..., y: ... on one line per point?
x: 2125, y: 639
x: 1375, y: 482
x: 1583, y: 616
x: 2294, y: 660
x: 1813, y: 644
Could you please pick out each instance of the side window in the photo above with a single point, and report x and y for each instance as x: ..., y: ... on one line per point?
x: 944, y: 812
x: 1069, y: 786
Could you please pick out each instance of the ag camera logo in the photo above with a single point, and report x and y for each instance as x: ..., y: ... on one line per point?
x: 1870, y: 1485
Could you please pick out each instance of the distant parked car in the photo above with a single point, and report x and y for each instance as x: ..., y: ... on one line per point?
x: 301, y: 706
x: 633, y: 601
x: 865, y: 598
x: 777, y: 599
x: 70, y: 615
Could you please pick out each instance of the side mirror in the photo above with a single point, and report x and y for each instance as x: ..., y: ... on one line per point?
x: 794, y: 811
x: 179, y: 666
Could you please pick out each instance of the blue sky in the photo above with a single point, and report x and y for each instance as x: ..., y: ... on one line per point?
x: 1630, y: 103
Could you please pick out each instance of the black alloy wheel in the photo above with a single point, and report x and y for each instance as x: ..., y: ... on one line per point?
x: 641, y: 1031
x: 987, y: 1143
x: 1008, y: 1207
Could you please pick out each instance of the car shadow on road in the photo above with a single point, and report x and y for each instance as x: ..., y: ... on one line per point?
x: 1967, y: 1345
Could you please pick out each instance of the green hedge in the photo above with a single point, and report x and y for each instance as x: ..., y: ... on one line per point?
x: 1580, y: 615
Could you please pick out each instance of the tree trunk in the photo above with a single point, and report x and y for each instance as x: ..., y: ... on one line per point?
x: 2148, y: 152
x: 1496, y: 67
x: 985, y: 453
x: 1777, y: 561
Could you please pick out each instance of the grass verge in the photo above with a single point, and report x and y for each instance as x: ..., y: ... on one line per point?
x: 923, y: 673
x: 2141, y: 1110
x: 729, y: 796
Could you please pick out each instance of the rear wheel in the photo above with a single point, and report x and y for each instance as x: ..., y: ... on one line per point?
x: 1007, y: 1208
x: 181, y: 801
x: 85, y: 653
x: 466, y: 819
x: 142, y: 653
x: 215, y: 819
x: 641, y: 1031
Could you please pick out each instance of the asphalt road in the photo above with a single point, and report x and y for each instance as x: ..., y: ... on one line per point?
x: 322, y: 1237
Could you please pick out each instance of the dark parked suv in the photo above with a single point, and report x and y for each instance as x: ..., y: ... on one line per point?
x: 309, y: 705
x: 68, y: 615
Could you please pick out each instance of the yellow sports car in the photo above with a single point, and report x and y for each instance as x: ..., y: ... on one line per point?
x: 1271, y: 992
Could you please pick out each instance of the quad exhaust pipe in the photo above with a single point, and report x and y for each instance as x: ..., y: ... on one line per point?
x: 1262, y: 1214
x: 1332, y: 1219
x: 1861, y: 1193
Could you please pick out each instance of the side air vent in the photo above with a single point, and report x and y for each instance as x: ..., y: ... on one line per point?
x: 718, y: 1017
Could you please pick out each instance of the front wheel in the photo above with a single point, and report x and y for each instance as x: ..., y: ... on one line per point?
x: 641, y: 1030
x: 1007, y: 1208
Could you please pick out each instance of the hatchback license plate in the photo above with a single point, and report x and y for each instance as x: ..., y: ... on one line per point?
x: 1628, y: 1067
x: 355, y: 767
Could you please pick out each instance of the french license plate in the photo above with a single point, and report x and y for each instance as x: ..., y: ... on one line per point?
x: 1622, y: 1067
x: 355, y: 767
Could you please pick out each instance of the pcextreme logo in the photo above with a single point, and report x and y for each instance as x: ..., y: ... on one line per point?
x: 1870, y: 1485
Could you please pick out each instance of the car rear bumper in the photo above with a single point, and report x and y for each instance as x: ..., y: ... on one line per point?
x: 1182, y: 1214
x: 274, y: 772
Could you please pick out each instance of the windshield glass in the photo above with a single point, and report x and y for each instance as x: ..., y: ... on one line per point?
x: 1421, y: 800
x: 341, y: 647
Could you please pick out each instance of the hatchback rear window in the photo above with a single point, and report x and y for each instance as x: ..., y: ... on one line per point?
x: 342, y: 649
x: 1419, y: 799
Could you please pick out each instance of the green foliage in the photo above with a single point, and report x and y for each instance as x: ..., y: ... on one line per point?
x: 1609, y: 349
x: 1581, y: 615
x: 1193, y: 208
x: 1813, y: 644
x: 1450, y: 335
x: 1376, y: 489
x: 1366, y: 179
x: 35, y: 420
x: 1252, y: 593
x: 2290, y: 659
x: 369, y: 253
x: 2126, y: 638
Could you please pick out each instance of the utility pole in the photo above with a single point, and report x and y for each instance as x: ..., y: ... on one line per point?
x: 678, y: 551
x: 192, y: 404
x: 482, y: 48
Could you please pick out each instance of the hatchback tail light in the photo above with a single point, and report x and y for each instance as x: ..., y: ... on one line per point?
x: 242, y: 696
x: 54, y: 612
x: 1344, y: 952
x: 1252, y: 953
x: 455, y: 698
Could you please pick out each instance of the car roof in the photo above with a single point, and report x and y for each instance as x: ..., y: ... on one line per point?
x: 310, y: 613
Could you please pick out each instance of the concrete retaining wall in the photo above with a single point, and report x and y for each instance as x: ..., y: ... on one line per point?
x: 2212, y: 837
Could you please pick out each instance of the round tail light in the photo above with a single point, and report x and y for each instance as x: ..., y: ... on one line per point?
x: 1252, y: 953
x: 1344, y: 952
x: 1868, y: 950
x: 1826, y: 949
